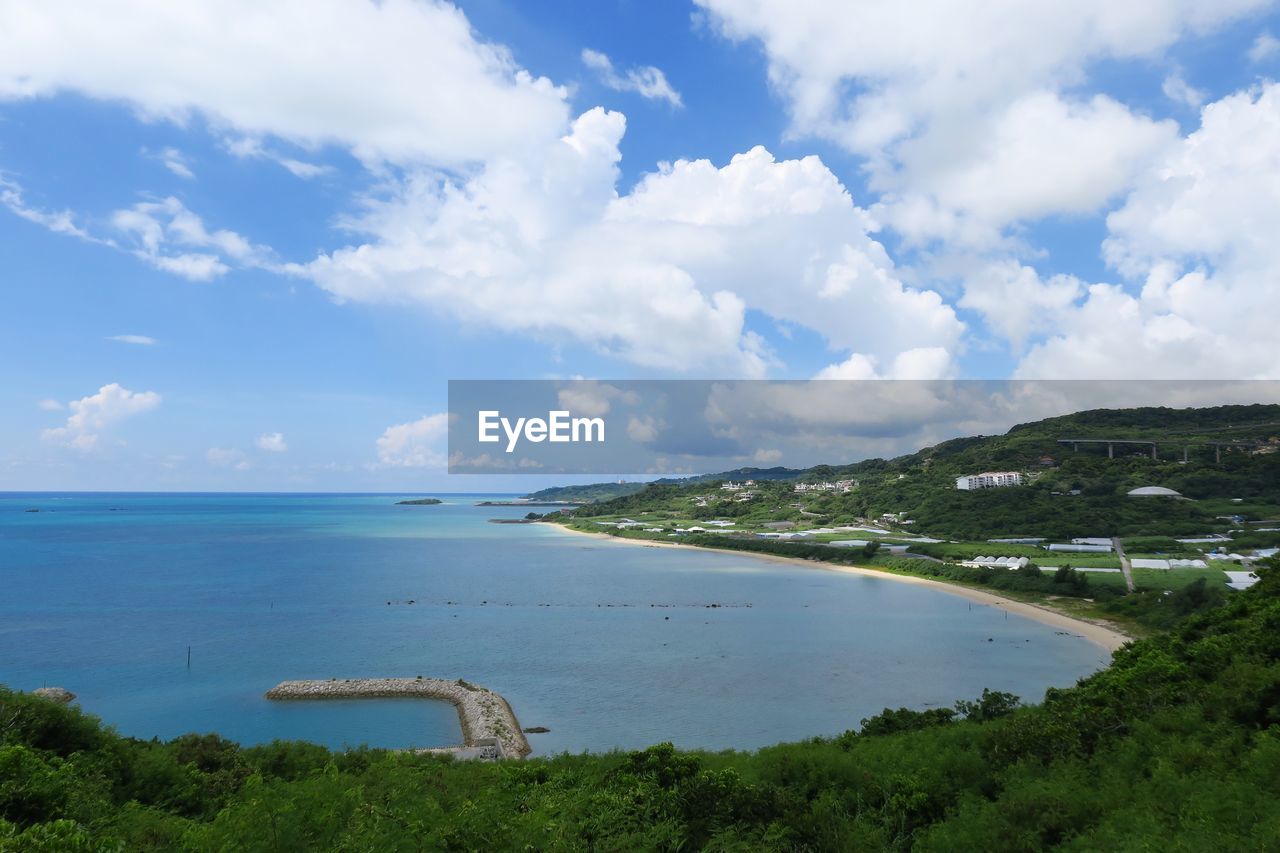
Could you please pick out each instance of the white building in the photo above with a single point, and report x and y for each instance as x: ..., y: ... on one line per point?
x: 989, y: 480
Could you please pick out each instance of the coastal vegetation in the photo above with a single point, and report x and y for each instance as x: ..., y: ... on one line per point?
x: 1176, y: 744
x: 1223, y: 461
x: 419, y: 502
x: 588, y: 493
x: 595, y: 492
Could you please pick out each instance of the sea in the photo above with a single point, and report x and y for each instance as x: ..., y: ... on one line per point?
x: 175, y: 613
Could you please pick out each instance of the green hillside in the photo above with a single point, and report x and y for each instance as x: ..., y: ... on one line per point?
x: 588, y: 493
x: 597, y: 492
x: 1067, y: 492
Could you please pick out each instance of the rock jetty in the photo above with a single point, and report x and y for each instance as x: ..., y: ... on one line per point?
x: 489, y: 726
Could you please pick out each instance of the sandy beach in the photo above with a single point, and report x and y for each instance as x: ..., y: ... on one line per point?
x: 1102, y: 635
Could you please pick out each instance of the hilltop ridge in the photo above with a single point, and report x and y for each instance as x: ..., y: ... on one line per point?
x: 1223, y: 459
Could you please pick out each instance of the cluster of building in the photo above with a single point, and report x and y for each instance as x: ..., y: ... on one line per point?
x: 837, y: 486
x: 989, y: 480
x: 740, y: 492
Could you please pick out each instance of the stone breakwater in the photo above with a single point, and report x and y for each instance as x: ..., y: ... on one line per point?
x: 489, y: 726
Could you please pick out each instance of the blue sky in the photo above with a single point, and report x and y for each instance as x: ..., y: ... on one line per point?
x: 309, y: 216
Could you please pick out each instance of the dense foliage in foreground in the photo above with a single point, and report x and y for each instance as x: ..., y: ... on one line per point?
x: 1176, y: 745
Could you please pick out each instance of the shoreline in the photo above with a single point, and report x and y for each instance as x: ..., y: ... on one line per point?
x: 1108, y: 638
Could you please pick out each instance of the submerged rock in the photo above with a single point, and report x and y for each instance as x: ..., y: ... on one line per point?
x: 535, y: 730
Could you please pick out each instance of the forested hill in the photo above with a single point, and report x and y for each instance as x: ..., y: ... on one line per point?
x: 593, y: 492
x: 586, y: 493
x: 1026, y: 445
x: 1225, y: 459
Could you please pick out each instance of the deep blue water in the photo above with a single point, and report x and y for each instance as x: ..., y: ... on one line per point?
x: 608, y: 644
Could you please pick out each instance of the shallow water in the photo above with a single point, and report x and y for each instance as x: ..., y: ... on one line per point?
x: 608, y: 644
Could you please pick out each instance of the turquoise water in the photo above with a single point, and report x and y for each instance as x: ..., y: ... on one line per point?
x: 607, y: 644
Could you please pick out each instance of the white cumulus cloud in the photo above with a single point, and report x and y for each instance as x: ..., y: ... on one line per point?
x: 516, y: 225
x: 416, y: 444
x: 402, y: 80
x: 93, y: 414
x: 939, y: 93
x: 662, y: 277
x: 1195, y: 246
x: 918, y: 363
x: 1016, y: 302
x: 1042, y: 155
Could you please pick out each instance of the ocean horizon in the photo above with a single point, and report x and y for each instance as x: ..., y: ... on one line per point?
x: 608, y: 644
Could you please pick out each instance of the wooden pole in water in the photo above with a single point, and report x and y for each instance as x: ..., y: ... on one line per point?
x: 188, y: 657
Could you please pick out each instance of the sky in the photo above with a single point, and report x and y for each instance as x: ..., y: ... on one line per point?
x: 246, y: 245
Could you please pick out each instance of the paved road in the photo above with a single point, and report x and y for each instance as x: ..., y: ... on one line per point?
x: 1124, y: 564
